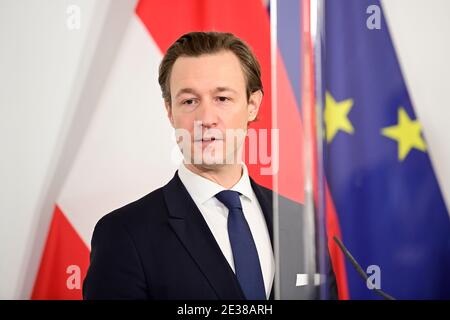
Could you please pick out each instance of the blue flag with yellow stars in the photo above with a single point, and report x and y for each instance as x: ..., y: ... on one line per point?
x: 391, y: 211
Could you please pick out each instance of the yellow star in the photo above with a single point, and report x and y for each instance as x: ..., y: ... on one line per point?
x: 336, y: 116
x: 407, y: 133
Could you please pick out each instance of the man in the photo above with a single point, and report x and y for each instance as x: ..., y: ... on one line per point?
x: 207, y: 234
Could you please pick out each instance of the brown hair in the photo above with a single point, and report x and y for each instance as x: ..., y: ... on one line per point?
x: 194, y: 44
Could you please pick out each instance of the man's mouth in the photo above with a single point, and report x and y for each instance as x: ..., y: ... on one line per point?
x: 207, y: 139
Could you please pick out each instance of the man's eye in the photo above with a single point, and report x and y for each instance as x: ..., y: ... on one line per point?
x: 188, y: 102
x: 223, y: 99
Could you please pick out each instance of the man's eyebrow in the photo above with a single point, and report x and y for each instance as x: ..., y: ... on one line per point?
x: 192, y: 91
x: 222, y: 89
x: 185, y: 90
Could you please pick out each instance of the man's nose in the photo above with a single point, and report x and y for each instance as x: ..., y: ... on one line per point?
x: 207, y: 115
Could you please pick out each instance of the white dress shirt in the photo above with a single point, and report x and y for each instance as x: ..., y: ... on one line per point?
x: 215, y: 213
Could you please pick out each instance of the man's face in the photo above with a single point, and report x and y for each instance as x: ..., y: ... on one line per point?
x: 209, y: 103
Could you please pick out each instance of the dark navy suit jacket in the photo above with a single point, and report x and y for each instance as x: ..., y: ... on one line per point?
x: 160, y: 247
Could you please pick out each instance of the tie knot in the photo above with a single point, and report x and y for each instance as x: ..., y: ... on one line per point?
x: 230, y: 199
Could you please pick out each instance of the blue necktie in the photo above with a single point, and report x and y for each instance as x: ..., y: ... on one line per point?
x: 246, y: 260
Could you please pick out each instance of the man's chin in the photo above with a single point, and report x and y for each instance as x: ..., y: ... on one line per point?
x: 209, y: 161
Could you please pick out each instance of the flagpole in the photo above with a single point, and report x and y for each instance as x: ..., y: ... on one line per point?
x: 317, y: 33
x: 307, y: 87
x: 274, y: 103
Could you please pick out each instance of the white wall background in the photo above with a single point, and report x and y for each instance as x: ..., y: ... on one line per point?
x: 43, y: 70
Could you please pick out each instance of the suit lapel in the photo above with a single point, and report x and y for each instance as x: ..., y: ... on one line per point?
x: 264, y: 197
x: 265, y: 200
x: 187, y: 222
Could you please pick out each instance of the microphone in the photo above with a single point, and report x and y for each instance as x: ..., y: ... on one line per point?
x: 359, y: 269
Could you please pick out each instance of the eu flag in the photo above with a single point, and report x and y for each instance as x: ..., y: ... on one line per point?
x: 391, y: 211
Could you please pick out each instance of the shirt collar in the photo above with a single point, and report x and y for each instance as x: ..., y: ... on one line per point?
x: 202, y: 189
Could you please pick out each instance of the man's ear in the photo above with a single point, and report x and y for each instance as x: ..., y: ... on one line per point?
x: 169, y: 112
x: 254, y: 102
